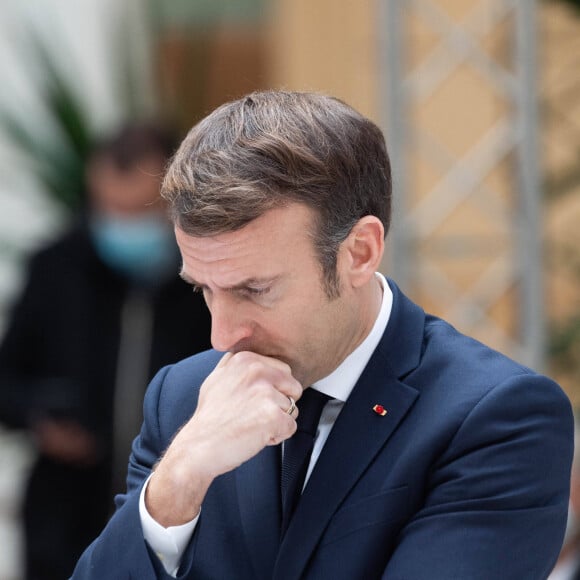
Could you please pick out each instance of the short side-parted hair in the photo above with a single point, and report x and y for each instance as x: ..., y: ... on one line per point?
x: 272, y: 148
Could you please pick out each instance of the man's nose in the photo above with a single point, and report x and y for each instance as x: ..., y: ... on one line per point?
x: 228, y: 323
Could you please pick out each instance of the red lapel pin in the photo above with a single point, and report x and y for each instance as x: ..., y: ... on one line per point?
x: 380, y: 410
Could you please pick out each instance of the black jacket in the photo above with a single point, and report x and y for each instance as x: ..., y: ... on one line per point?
x: 59, y: 358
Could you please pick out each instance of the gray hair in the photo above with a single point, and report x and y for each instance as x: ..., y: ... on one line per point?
x: 273, y: 148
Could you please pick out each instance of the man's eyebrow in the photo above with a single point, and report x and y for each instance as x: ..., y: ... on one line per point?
x: 247, y: 283
x: 254, y: 282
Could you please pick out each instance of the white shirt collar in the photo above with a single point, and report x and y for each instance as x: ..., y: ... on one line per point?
x: 342, y: 380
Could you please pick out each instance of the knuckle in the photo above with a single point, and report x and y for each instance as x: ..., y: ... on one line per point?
x: 273, y: 412
x: 243, y: 357
x: 296, y: 391
x: 285, y: 368
x: 254, y: 369
x: 259, y: 388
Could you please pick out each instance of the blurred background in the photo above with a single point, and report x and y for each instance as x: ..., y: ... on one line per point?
x: 479, y: 100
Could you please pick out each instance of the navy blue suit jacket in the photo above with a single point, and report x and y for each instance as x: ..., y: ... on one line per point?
x: 466, y: 477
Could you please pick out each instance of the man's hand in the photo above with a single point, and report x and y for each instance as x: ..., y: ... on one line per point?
x: 242, y: 409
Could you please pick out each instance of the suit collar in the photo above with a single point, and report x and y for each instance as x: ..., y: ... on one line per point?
x: 402, y: 342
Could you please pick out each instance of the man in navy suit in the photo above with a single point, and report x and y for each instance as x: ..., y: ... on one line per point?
x: 434, y: 457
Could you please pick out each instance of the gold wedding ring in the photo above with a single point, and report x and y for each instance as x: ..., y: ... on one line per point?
x: 292, y: 406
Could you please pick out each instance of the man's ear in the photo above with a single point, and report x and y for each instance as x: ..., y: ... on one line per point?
x: 364, y: 249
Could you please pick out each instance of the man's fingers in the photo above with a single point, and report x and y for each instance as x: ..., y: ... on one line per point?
x: 274, y: 371
x: 224, y: 360
x: 290, y: 388
x: 289, y: 407
x: 286, y: 428
x: 246, y: 358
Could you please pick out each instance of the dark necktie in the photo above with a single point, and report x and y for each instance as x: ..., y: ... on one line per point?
x: 297, y: 451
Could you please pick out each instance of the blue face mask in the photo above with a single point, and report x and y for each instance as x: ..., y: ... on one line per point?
x: 141, y: 248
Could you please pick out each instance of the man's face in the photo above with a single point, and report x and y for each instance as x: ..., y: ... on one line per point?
x: 264, y: 288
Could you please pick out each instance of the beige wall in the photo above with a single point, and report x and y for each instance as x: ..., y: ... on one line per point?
x: 328, y: 46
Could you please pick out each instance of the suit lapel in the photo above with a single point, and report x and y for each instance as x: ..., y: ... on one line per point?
x: 258, y: 487
x: 357, y: 436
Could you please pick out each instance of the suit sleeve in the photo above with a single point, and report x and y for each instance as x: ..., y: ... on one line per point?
x: 497, y: 499
x: 120, y: 552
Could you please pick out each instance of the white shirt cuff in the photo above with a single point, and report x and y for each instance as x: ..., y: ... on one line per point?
x: 169, y: 544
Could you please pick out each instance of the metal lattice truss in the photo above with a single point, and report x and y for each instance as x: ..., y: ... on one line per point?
x: 560, y: 101
x: 461, y: 126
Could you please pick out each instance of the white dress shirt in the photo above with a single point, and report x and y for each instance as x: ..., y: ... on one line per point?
x: 566, y: 569
x: 170, y: 543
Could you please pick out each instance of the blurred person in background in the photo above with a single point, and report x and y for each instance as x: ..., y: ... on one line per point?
x: 568, y: 564
x: 102, y: 309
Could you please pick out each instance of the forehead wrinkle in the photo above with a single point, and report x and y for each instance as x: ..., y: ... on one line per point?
x: 233, y: 259
x: 224, y: 274
x: 215, y: 249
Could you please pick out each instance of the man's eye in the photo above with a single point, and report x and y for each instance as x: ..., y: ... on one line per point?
x: 258, y: 291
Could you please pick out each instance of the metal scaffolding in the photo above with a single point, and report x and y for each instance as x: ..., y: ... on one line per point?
x: 477, y: 211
